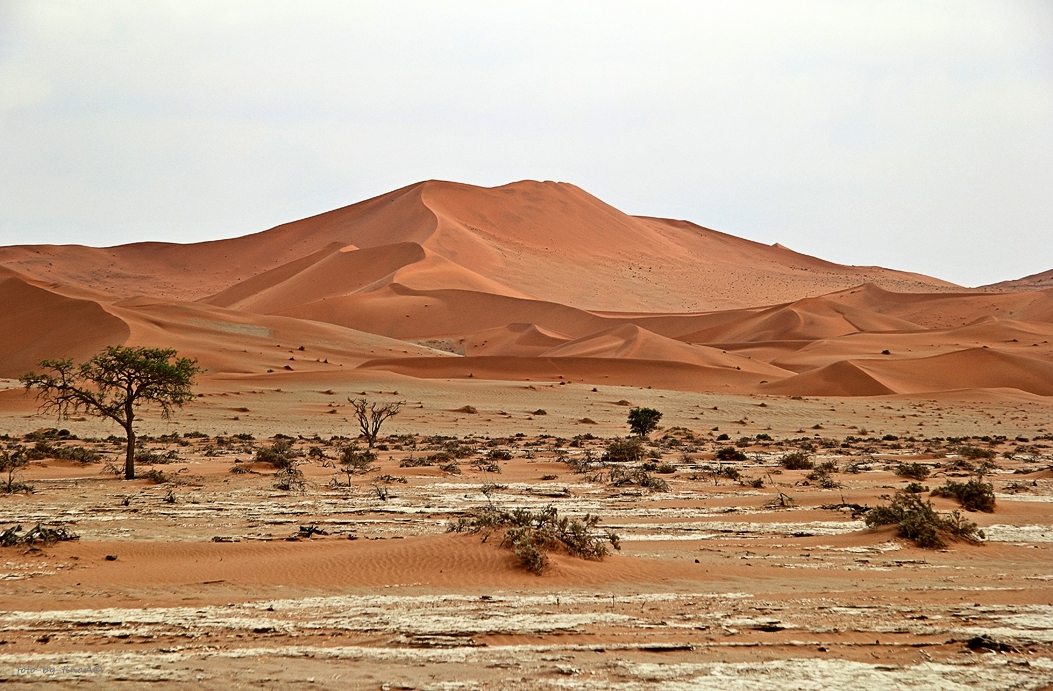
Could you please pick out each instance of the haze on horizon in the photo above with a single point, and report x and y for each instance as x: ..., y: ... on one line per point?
x: 915, y: 136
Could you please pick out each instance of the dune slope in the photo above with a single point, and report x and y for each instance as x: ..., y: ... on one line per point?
x: 530, y: 280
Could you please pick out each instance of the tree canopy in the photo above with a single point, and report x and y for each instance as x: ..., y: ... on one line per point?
x: 114, y: 384
x: 643, y: 421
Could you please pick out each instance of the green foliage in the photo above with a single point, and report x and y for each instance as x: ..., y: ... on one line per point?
x: 12, y: 460
x: 974, y: 453
x: 974, y: 495
x: 796, y: 460
x: 918, y: 521
x: 730, y: 453
x: 643, y: 421
x: 114, y: 384
x: 821, y: 475
x: 531, y: 536
x: 914, y: 471
x: 624, y: 451
x: 355, y: 460
x: 279, y: 454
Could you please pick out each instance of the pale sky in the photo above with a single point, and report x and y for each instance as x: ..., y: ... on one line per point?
x: 913, y: 135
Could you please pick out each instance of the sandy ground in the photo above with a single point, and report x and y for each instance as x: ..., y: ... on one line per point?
x: 718, y: 584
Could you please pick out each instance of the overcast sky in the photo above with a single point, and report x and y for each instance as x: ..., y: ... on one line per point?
x: 913, y: 135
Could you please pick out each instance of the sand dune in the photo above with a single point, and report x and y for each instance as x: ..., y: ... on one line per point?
x: 39, y: 324
x: 629, y: 341
x: 1039, y: 281
x: 516, y: 339
x: 974, y: 368
x: 528, y: 280
x: 43, y: 324
x: 658, y: 374
x: 809, y: 319
x: 551, y: 241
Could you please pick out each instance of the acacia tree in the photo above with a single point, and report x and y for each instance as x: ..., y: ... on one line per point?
x: 372, y: 415
x: 114, y: 384
x: 643, y: 421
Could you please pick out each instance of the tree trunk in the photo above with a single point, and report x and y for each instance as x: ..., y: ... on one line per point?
x: 129, y: 461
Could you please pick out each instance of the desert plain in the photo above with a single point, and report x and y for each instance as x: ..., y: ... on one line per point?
x: 518, y: 326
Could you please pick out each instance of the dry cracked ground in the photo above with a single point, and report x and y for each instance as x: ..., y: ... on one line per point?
x: 732, y: 574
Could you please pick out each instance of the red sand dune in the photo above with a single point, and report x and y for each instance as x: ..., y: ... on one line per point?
x: 975, y: 368
x: 526, y: 281
x: 40, y: 324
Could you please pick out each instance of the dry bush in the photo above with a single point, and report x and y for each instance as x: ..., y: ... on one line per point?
x: 412, y: 461
x: 486, y: 466
x: 155, y: 476
x: 39, y: 533
x: 620, y: 477
x: 728, y: 471
x: 290, y: 479
x: 452, y: 468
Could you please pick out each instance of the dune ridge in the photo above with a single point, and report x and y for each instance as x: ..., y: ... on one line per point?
x: 530, y: 280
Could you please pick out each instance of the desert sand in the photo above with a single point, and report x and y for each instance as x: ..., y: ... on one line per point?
x: 528, y: 319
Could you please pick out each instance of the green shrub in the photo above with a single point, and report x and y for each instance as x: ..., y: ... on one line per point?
x: 279, y: 454
x: 531, y: 536
x: 12, y: 460
x: 624, y: 451
x: 918, y: 521
x: 643, y: 421
x: 821, y: 474
x: 730, y: 453
x: 729, y: 471
x: 796, y: 460
x: 355, y: 460
x: 974, y: 453
x: 914, y: 471
x: 974, y: 495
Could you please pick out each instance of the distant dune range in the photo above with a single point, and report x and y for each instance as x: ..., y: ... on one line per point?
x: 528, y: 281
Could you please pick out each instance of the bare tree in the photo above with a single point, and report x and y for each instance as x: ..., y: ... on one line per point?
x: 114, y: 384
x: 372, y: 415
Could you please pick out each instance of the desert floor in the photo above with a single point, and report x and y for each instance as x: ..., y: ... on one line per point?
x: 718, y: 584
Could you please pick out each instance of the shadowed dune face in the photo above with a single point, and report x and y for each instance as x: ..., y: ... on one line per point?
x: 39, y: 324
x: 529, y: 280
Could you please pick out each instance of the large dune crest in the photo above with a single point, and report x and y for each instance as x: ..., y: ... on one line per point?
x: 531, y: 280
